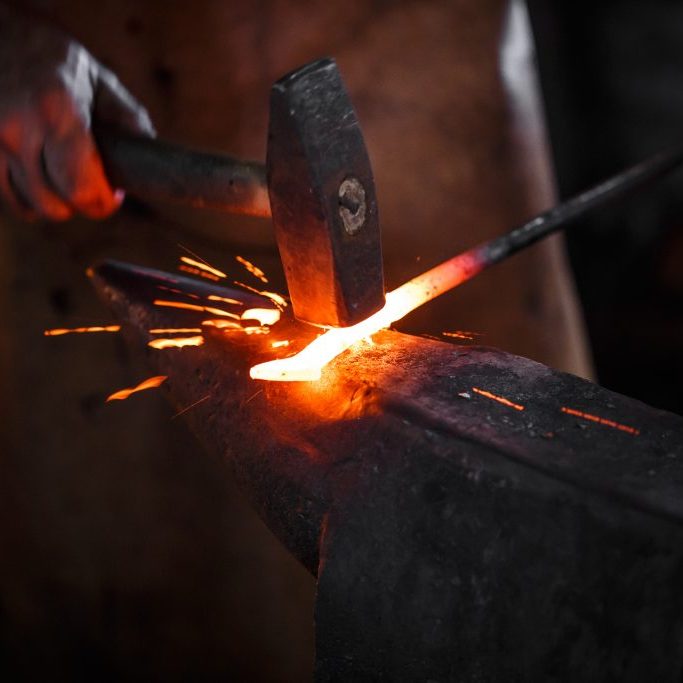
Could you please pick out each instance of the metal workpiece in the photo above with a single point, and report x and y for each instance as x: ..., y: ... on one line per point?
x: 470, y: 515
x: 322, y: 195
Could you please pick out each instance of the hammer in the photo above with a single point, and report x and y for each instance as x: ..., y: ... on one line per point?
x: 317, y: 185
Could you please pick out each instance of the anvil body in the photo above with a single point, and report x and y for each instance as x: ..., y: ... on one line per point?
x: 454, y: 537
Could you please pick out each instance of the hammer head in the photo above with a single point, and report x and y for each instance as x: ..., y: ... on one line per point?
x: 322, y: 198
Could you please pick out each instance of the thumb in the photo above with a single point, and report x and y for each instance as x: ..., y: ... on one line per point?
x: 115, y: 105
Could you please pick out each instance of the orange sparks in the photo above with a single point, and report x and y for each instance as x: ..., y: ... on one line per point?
x: 254, y: 270
x: 175, y: 330
x: 601, y: 420
x: 195, y: 307
x: 499, y: 399
x: 213, y: 297
x: 200, y: 273
x: 276, y: 298
x: 308, y: 363
x: 266, y: 316
x: 178, y: 291
x: 222, y: 324
x: 176, y: 342
x: 150, y: 383
x: 80, y: 330
x: 460, y: 334
x: 280, y: 344
x: 203, y: 266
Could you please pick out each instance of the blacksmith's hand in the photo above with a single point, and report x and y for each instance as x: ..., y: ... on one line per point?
x: 51, y: 88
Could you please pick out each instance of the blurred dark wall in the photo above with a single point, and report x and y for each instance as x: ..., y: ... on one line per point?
x: 612, y: 75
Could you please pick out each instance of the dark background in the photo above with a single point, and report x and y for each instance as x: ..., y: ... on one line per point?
x: 612, y: 77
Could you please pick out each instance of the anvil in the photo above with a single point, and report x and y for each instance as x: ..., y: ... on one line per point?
x: 470, y: 515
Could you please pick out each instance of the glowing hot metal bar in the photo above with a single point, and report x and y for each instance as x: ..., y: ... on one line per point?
x: 308, y: 363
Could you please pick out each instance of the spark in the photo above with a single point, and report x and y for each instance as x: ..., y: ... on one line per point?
x: 195, y: 307
x: 175, y: 330
x: 214, y: 297
x: 461, y: 334
x: 200, y: 273
x: 254, y: 270
x: 601, y: 420
x: 80, y: 330
x: 173, y: 290
x: 276, y: 298
x: 499, y: 399
x: 222, y: 324
x: 150, y: 383
x: 176, y: 342
x: 280, y: 344
x: 308, y: 363
x: 192, y: 405
x: 266, y: 316
x: 202, y: 265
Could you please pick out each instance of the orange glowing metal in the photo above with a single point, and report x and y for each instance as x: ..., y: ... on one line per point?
x: 307, y: 365
x: 213, y: 297
x: 280, y: 344
x: 195, y: 307
x: 266, y: 316
x: 80, y: 330
x: 276, y: 298
x: 147, y: 384
x: 203, y: 266
x: 254, y: 270
x: 199, y: 273
x: 499, y: 399
x: 601, y: 420
x: 175, y: 330
x: 176, y: 342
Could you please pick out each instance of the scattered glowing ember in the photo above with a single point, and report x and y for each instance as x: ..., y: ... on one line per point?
x: 460, y: 334
x: 150, y: 383
x: 175, y: 330
x: 308, y: 363
x: 499, y: 399
x: 280, y: 344
x: 213, y: 297
x: 247, y: 330
x: 80, y: 330
x: 176, y: 342
x: 601, y: 420
x: 203, y: 266
x: 222, y: 324
x: 276, y: 298
x: 178, y: 291
x: 195, y: 307
x: 199, y: 273
x: 254, y: 270
x: 266, y: 316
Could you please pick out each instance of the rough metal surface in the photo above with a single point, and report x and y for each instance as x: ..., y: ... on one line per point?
x: 454, y: 537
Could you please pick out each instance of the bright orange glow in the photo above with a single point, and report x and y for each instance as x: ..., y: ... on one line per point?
x: 266, y: 316
x: 276, y: 298
x: 195, y: 307
x: 499, y: 399
x: 200, y: 273
x: 175, y: 330
x: 280, y: 344
x: 254, y: 270
x: 222, y: 324
x: 203, y: 266
x: 213, y: 297
x: 176, y: 342
x: 307, y: 365
x: 80, y: 330
x: 601, y: 420
x: 147, y: 384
